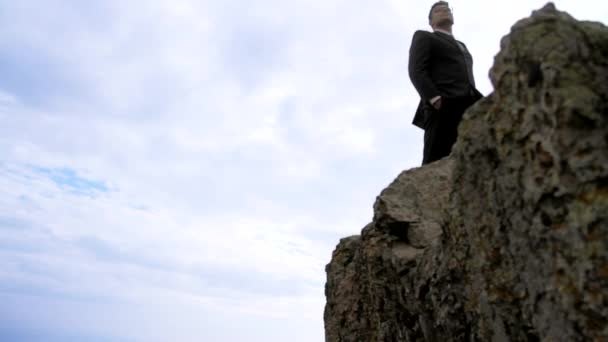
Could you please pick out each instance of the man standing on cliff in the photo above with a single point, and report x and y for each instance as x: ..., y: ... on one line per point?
x: 441, y: 69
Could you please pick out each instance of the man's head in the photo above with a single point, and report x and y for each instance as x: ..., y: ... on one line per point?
x: 440, y: 15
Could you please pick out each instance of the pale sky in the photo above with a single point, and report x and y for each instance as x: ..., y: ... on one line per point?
x: 182, y: 170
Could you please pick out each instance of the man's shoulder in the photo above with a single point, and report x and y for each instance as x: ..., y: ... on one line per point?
x: 423, y: 33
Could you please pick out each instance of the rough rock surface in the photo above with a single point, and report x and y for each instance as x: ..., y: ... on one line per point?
x: 507, y: 239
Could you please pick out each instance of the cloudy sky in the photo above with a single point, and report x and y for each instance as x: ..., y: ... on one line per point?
x: 182, y: 170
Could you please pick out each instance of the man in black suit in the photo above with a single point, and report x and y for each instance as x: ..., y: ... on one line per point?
x: 441, y: 69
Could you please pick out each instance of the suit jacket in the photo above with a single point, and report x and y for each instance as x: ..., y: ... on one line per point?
x: 439, y: 65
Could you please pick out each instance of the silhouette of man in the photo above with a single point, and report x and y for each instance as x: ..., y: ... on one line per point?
x: 441, y: 69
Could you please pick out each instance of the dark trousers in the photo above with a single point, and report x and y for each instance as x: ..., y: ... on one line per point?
x: 441, y: 127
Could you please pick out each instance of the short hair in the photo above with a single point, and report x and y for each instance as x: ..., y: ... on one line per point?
x: 438, y: 3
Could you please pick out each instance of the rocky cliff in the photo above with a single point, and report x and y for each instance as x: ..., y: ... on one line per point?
x: 506, y: 239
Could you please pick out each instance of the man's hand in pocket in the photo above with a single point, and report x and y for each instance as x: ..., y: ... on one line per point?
x: 437, y: 104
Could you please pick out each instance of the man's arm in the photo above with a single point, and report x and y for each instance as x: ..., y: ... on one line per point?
x: 419, y: 67
x: 469, y: 61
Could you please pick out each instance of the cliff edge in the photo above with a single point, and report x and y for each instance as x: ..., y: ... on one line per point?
x: 506, y: 239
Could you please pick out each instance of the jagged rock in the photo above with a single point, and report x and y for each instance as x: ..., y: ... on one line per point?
x: 507, y: 239
x: 413, y: 205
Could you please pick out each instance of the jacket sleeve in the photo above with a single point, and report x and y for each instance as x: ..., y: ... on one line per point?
x: 419, y: 66
x: 469, y: 60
